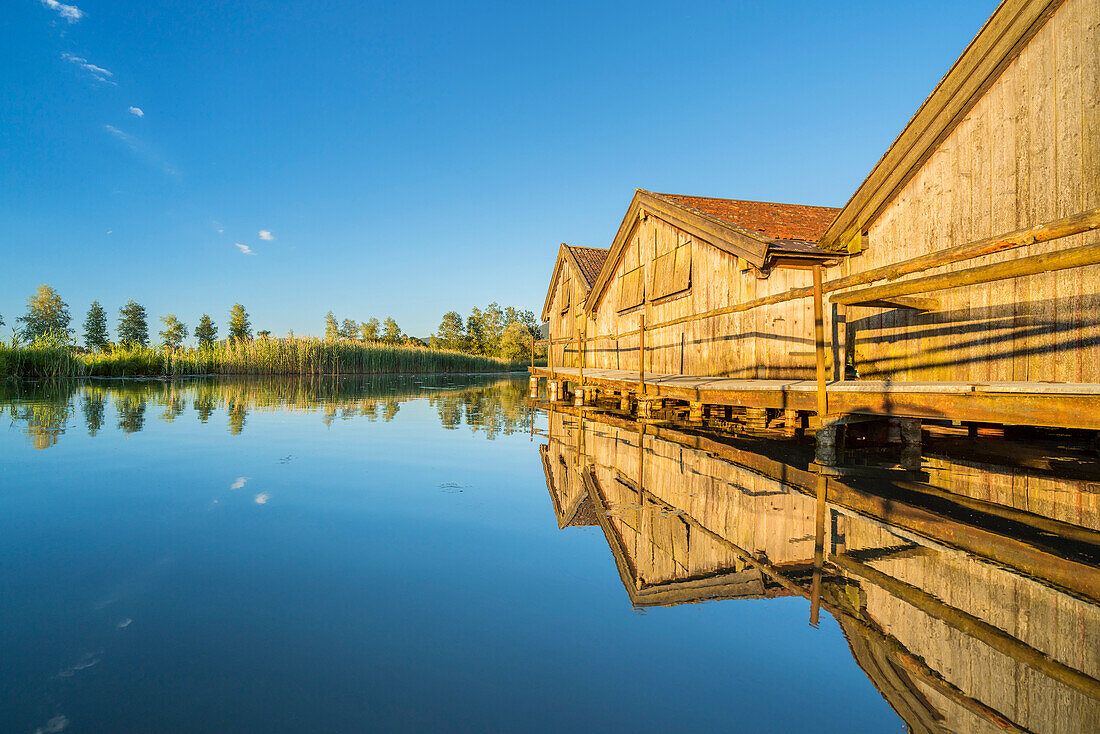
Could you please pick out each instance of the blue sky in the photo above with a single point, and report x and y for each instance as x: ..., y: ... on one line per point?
x: 411, y: 158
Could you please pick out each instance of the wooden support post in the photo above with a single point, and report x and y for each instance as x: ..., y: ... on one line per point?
x: 695, y: 412
x: 641, y: 356
x: 533, y: 383
x: 790, y: 423
x: 825, y: 438
x: 550, y: 355
x: 819, y: 549
x: 532, y: 350
x: 580, y: 360
x: 819, y: 344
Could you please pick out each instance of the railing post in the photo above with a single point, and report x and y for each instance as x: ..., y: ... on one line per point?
x: 819, y: 344
x: 641, y: 356
x: 532, y: 351
x: 580, y: 361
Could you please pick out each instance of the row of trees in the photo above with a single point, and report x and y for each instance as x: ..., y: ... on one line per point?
x: 47, y: 313
x: 491, y: 331
x: 367, y: 331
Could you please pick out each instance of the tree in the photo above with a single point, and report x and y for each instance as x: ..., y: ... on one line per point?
x: 349, y: 329
x: 264, y: 334
x: 475, y: 337
x: 206, y: 332
x: 492, y: 327
x: 174, y: 332
x: 391, y: 332
x: 515, y: 342
x: 240, y: 328
x: 95, y: 328
x: 452, y: 332
x: 369, y: 329
x: 46, y: 313
x: 133, y: 329
x: 332, y: 329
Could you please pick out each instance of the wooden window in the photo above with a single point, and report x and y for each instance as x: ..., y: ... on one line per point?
x: 671, y: 272
x: 632, y: 288
x: 564, y: 293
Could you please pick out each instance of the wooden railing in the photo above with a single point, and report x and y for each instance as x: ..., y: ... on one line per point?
x: 889, y: 294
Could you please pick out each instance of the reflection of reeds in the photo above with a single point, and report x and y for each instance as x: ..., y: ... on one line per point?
x: 296, y: 356
x: 485, y: 405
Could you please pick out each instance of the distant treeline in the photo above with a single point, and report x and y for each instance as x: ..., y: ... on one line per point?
x: 489, y: 332
x: 43, y: 347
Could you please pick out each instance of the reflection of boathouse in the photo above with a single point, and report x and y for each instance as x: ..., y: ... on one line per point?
x: 961, y: 625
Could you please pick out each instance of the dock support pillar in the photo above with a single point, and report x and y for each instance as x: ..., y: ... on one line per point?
x: 756, y: 419
x: 695, y: 412
x: 533, y: 382
x: 910, y: 443
x: 790, y: 423
x: 826, y: 451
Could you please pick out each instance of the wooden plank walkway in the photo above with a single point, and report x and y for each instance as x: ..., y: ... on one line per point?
x: 1049, y: 404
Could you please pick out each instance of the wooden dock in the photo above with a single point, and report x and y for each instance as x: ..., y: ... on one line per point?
x: 1049, y: 404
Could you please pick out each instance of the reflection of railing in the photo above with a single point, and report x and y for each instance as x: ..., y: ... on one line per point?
x: 889, y: 295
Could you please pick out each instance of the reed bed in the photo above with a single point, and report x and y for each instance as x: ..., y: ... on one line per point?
x: 48, y: 358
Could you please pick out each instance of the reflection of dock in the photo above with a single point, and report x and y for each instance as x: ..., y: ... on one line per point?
x: 968, y: 616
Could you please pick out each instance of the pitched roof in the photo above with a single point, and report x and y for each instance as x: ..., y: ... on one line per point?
x: 589, y: 261
x: 777, y: 221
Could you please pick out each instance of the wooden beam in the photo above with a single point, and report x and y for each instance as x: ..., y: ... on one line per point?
x: 819, y: 344
x: 915, y: 303
x: 1032, y: 265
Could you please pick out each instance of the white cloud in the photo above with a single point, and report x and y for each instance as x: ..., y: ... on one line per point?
x: 245, y: 249
x: 220, y: 231
x: 261, y: 498
x: 98, y: 72
x: 137, y: 112
x: 266, y: 236
x: 70, y: 13
x: 238, y: 483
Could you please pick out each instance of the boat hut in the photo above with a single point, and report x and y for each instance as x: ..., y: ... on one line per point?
x: 676, y: 256
x: 994, y: 185
x: 575, y: 271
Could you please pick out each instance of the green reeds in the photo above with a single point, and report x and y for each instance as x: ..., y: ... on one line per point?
x: 52, y: 358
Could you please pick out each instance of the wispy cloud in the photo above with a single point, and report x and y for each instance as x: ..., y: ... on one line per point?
x: 70, y: 13
x: 98, y: 72
x: 137, y: 112
x: 240, y: 481
x: 141, y: 150
x: 261, y: 498
x: 245, y: 249
x: 266, y: 235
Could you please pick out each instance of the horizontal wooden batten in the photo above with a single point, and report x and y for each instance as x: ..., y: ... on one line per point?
x: 1033, y: 265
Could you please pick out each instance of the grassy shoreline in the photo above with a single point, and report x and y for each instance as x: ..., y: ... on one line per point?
x: 46, y: 359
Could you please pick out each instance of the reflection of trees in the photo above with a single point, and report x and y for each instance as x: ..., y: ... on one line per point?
x: 92, y: 406
x: 44, y: 409
x: 131, y: 411
x: 486, y: 404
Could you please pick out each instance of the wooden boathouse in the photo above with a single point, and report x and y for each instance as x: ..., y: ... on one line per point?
x: 575, y: 271
x: 961, y: 281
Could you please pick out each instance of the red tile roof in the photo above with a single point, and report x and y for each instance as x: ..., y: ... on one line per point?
x: 777, y: 221
x: 591, y: 260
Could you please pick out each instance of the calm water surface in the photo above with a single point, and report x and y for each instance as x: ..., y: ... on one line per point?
x: 415, y: 554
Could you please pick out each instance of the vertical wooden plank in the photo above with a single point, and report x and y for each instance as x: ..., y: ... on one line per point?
x: 1089, y: 304
x: 1003, y: 217
x: 1068, y: 29
x: 1043, y: 184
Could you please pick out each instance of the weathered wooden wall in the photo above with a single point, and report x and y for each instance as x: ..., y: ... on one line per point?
x: 1063, y: 627
x: 564, y: 321
x: 1028, y: 152
x: 772, y: 342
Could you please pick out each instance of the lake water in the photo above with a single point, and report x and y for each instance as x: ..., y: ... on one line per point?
x: 432, y: 554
